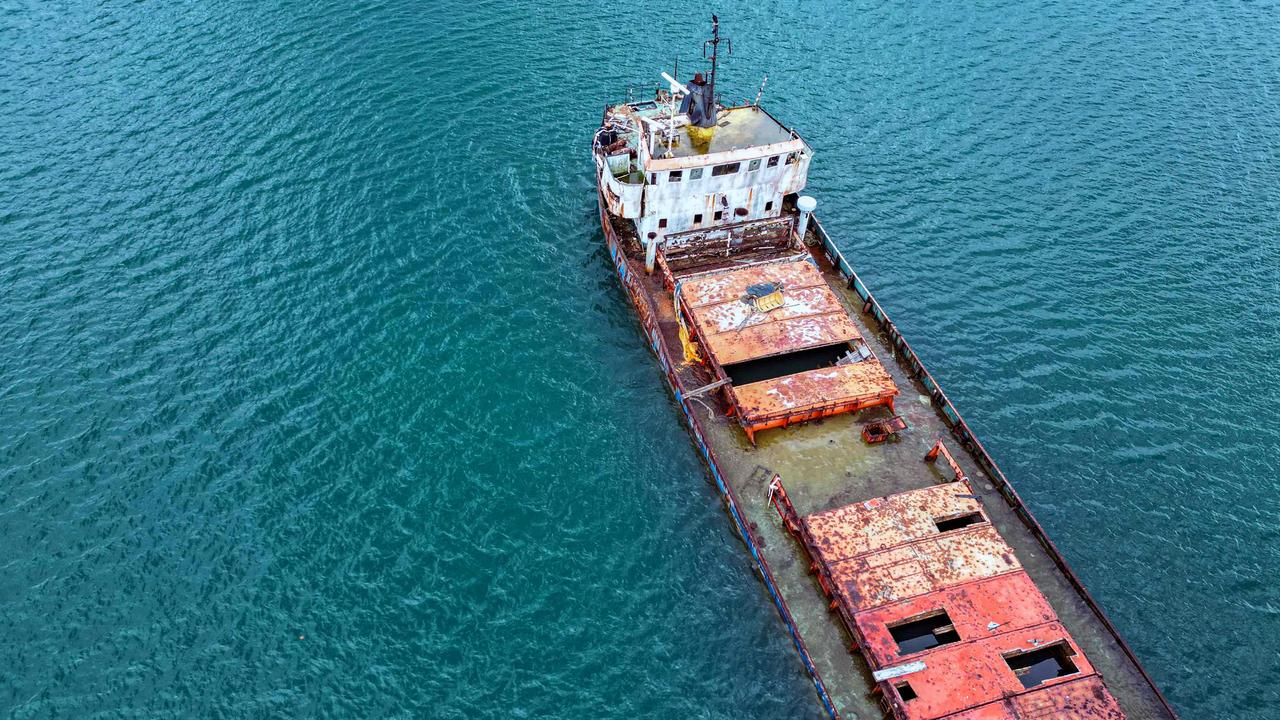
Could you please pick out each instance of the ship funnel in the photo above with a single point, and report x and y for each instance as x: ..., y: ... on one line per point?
x: 806, y: 205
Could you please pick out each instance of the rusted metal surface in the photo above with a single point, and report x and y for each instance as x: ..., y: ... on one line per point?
x: 920, y: 567
x: 704, y: 248
x: 960, y: 677
x: 980, y: 610
x: 940, y: 448
x: 928, y: 562
x: 878, y: 431
x: 1085, y: 698
x: 890, y: 567
x: 854, y: 530
x: 812, y: 394
x: 973, y: 446
x: 733, y: 331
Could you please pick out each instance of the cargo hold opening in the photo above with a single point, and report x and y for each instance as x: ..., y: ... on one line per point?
x: 1046, y: 663
x: 924, y: 633
x: 776, y: 366
x: 958, y: 521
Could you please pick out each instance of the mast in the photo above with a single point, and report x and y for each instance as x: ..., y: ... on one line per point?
x: 714, y: 42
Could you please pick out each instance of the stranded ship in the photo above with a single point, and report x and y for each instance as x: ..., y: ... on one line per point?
x: 912, y: 579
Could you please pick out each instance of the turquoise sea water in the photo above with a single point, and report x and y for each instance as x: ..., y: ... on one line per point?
x: 318, y: 397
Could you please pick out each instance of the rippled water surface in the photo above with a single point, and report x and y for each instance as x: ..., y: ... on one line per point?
x: 318, y: 398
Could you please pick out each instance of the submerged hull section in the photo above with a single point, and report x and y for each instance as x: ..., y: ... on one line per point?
x: 825, y: 466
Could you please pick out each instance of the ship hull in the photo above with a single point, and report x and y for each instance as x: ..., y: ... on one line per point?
x: 739, y: 471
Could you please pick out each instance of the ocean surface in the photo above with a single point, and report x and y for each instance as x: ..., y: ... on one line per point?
x: 318, y: 397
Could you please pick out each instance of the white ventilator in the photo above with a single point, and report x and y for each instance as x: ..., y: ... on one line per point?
x: 806, y: 205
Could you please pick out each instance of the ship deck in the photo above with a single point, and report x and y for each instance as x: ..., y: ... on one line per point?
x: 824, y: 464
x: 738, y: 128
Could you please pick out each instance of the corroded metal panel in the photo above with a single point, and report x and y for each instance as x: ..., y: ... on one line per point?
x: 843, y: 386
x: 1081, y: 698
x: 685, y: 253
x: 741, y: 319
x: 985, y: 609
x: 734, y: 331
x: 729, y: 285
x: 879, y: 523
x: 921, y: 567
x: 779, y: 335
x: 966, y: 676
x: 903, y: 563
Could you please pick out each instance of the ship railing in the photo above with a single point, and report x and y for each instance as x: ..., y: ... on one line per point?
x: 960, y: 430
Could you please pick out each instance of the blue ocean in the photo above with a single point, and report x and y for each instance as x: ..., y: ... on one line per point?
x: 319, y: 397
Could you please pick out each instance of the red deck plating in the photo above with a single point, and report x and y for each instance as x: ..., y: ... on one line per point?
x: 734, y: 332
x: 940, y: 607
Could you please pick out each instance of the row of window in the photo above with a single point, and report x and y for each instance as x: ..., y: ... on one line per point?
x: 716, y: 217
x: 726, y: 169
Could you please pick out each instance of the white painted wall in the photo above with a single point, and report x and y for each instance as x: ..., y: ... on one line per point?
x: 679, y: 202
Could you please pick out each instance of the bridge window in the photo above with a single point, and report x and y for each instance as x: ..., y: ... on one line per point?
x: 695, y: 174
x: 719, y: 214
x: 753, y: 165
x: 728, y: 169
x: 697, y: 219
x: 792, y: 158
x: 674, y: 175
x: 773, y: 161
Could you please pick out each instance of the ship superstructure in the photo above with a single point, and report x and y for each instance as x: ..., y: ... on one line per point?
x: 912, y: 587
x: 660, y: 168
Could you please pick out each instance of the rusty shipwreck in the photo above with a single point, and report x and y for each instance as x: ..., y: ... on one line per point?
x: 912, y: 579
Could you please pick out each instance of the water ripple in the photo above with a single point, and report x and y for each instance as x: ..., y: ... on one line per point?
x: 318, y: 398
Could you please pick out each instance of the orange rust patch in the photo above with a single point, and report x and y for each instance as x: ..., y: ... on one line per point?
x: 852, y: 386
x: 734, y: 331
x: 921, y: 567
x: 944, y: 613
x: 1085, y: 698
x: 857, y: 529
x: 972, y: 675
x: 979, y: 610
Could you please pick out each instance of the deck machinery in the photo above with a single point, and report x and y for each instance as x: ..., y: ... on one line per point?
x: 911, y: 588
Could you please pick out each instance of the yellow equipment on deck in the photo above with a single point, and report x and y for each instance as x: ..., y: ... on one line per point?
x: 691, y: 354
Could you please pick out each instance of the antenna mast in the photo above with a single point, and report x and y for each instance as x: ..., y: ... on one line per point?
x: 714, y: 42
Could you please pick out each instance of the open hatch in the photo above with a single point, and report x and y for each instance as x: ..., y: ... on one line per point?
x: 784, y: 341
